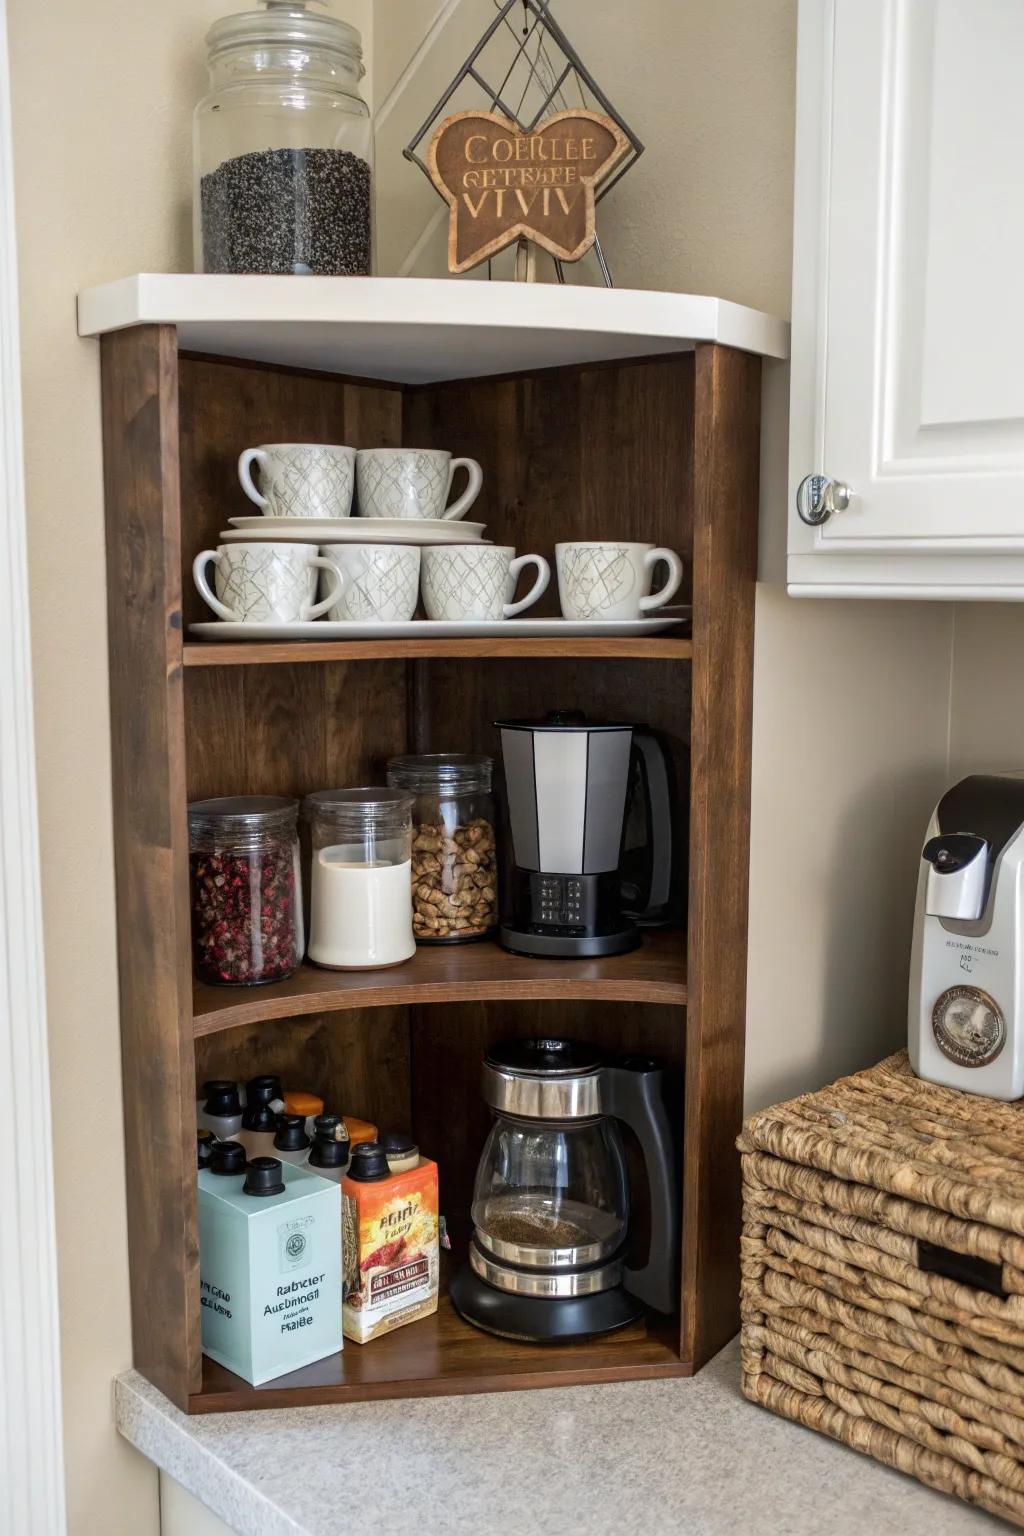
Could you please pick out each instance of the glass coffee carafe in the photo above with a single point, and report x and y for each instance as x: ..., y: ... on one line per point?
x: 551, y: 1204
x: 551, y: 1194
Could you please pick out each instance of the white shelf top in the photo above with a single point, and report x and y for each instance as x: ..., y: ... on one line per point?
x: 420, y: 330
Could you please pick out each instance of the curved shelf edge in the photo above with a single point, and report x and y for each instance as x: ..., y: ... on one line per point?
x: 226, y: 653
x: 655, y: 973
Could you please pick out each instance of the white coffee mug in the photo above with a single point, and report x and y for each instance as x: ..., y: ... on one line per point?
x: 610, y: 579
x: 300, y: 479
x: 265, y: 583
x: 413, y: 482
x: 477, y: 581
x: 382, y: 582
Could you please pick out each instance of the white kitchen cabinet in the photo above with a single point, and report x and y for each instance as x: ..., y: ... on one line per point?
x: 908, y: 299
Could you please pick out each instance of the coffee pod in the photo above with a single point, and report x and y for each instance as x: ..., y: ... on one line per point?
x: 227, y: 1157
x: 263, y: 1177
x: 401, y: 1152
x: 369, y: 1163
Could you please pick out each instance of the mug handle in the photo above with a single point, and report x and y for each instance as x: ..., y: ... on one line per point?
x: 671, y: 587
x: 314, y: 610
x: 203, y: 586
x: 538, y: 589
x: 246, y: 460
x: 476, y: 479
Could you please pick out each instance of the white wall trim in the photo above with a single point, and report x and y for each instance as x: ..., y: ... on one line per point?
x: 31, y: 1437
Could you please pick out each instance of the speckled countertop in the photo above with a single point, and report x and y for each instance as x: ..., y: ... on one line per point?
x: 633, y: 1459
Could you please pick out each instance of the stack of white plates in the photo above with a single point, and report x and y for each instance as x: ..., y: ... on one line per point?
x: 352, y: 530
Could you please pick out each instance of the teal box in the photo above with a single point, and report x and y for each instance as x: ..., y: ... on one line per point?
x: 269, y: 1273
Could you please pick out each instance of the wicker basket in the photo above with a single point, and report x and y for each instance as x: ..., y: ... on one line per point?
x: 883, y: 1277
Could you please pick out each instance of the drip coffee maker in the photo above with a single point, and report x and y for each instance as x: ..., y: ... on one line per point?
x: 551, y: 1205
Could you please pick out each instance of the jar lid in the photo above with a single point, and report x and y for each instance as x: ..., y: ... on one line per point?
x: 356, y: 809
x: 263, y: 1177
x: 328, y: 1153
x: 258, y: 1117
x: 286, y: 21
x: 243, y: 813
x: 263, y: 1090
x: 227, y: 1157
x: 453, y: 771
x: 369, y: 1163
x: 291, y: 1134
x: 220, y: 1097
x: 306, y: 1104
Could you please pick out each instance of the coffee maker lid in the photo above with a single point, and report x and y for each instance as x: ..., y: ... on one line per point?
x: 543, y: 1079
x: 563, y: 720
x: 544, y: 1058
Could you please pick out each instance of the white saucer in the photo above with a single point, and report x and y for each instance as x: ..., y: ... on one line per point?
x: 352, y: 530
x: 425, y: 629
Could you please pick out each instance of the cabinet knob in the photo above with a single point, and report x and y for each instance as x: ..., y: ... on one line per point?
x: 818, y: 496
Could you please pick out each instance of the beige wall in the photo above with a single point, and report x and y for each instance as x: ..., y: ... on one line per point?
x: 851, y: 700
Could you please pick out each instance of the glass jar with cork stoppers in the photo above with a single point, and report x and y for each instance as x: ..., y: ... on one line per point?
x: 454, y: 855
x: 283, y: 146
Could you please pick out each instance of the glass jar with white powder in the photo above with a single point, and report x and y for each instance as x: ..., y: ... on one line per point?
x: 361, y: 878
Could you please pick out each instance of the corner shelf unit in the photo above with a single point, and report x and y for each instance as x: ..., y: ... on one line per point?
x: 595, y: 415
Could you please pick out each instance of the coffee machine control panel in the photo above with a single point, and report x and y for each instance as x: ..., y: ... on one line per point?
x: 563, y: 901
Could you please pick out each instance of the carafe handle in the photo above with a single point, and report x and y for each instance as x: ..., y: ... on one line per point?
x: 658, y: 785
x: 633, y: 1091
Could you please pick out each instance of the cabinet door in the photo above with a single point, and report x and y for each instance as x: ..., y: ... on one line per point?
x: 908, y: 340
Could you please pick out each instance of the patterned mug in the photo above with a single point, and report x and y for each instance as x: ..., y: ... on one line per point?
x: 265, y: 583
x: 477, y: 582
x: 382, y: 582
x: 413, y: 482
x: 300, y: 479
x: 610, y: 579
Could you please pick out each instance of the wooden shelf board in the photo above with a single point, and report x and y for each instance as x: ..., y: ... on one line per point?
x: 442, y: 1356
x: 461, y: 973
x: 219, y: 653
x: 422, y: 330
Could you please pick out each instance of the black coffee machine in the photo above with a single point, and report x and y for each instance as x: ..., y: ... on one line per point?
x: 585, y: 877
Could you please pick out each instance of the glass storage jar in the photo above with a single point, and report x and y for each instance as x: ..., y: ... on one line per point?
x: 283, y: 146
x: 454, y: 857
x: 361, y: 887
x: 246, y: 896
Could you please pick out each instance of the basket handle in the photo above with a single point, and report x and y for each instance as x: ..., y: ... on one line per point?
x: 982, y: 1274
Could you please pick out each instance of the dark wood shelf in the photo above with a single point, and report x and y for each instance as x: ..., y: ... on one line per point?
x: 256, y: 653
x: 442, y: 1356
x: 459, y: 973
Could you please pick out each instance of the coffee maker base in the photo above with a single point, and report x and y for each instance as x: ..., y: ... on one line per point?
x: 568, y: 946
x: 541, y: 1320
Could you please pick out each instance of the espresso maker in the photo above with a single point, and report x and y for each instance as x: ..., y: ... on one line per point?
x: 584, y: 879
x: 548, y: 1259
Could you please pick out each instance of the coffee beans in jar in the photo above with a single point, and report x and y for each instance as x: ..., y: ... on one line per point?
x: 454, y: 848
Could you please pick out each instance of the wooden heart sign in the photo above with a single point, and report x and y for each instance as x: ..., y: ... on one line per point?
x: 504, y: 185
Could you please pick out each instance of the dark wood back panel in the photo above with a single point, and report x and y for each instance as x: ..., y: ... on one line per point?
x: 601, y: 452
x: 287, y: 730
x: 227, y: 406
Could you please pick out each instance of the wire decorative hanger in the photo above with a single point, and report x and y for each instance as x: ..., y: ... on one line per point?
x: 553, y: 70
